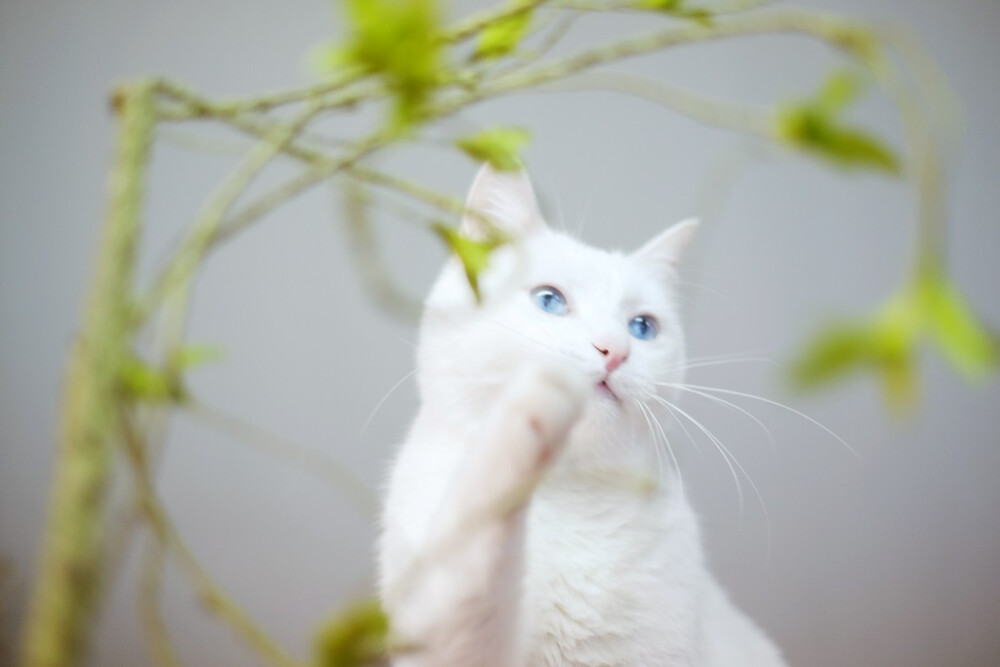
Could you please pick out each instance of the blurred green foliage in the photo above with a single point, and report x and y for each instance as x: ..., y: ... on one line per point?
x: 353, y: 637
x: 889, y: 343
x: 502, y: 38
x: 816, y: 125
x: 472, y: 253
x: 500, y: 146
x: 399, y: 41
x: 142, y: 381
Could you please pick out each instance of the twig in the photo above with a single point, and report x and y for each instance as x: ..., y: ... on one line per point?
x: 476, y: 23
x: 217, y: 602
x: 743, y: 119
x: 368, y: 261
x: 157, y: 635
x: 834, y: 31
x: 304, y: 458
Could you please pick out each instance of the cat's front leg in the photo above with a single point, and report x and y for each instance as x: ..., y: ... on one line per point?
x: 462, y: 602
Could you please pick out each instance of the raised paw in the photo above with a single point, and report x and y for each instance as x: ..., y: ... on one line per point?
x: 540, y: 409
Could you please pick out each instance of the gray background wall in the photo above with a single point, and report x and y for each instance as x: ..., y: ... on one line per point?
x: 893, y: 560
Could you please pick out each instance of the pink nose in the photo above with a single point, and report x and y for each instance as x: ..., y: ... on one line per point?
x: 613, y: 357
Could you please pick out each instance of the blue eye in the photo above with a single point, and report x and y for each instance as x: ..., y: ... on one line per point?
x: 549, y: 299
x: 644, y: 327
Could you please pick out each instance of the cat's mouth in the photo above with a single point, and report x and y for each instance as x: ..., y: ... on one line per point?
x: 605, y: 390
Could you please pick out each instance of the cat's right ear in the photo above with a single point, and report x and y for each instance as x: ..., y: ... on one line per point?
x: 506, y: 198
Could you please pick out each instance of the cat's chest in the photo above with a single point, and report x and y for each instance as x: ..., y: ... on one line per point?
x: 609, y: 584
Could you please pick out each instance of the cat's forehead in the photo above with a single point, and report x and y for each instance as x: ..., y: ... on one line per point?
x: 610, y: 275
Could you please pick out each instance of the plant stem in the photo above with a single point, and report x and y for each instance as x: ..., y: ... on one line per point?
x: 68, y: 587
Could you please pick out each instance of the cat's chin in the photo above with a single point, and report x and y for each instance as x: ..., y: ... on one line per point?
x: 605, y: 392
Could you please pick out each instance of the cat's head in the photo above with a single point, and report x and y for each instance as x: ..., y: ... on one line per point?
x: 547, y: 296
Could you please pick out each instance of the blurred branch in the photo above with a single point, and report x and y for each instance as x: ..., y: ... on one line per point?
x: 166, y: 534
x: 291, y: 453
x: 368, y: 260
x: 743, y: 119
x: 68, y: 584
x: 157, y: 635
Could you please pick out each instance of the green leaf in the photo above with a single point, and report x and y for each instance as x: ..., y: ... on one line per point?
x: 967, y: 344
x: 500, y: 146
x: 888, y: 343
x: 356, y: 636
x: 839, y: 90
x: 474, y: 254
x: 834, y: 353
x: 190, y: 356
x: 814, y: 126
x: 399, y: 41
x: 884, y: 346
x: 502, y: 37
x: 141, y: 381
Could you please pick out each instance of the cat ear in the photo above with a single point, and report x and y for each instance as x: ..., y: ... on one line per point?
x: 505, y: 197
x: 668, y: 246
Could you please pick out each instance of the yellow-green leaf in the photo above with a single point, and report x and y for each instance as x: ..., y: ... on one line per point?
x: 814, y: 126
x: 190, y: 356
x: 885, y: 345
x: 839, y: 90
x: 399, y: 41
x: 474, y: 254
x: 967, y: 344
x: 500, y: 146
x: 354, y: 637
x: 823, y: 136
x: 502, y: 37
x: 834, y: 353
x: 141, y: 381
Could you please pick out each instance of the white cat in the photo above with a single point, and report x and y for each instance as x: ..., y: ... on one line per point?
x: 512, y: 533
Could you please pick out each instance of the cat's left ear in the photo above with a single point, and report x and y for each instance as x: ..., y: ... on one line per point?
x: 505, y: 197
x: 668, y: 246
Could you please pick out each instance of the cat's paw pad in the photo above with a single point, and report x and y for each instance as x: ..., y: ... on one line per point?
x: 548, y: 401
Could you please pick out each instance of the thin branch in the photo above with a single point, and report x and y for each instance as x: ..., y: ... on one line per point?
x: 198, y: 106
x: 443, y: 202
x: 157, y: 635
x: 368, y: 260
x: 835, y: 31
x: 306, y: 459
x: 176, y: 279
x: 744, y: 119
x: 166, y: 533
x: 473, y: 25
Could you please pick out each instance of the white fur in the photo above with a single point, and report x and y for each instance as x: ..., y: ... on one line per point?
x: 515, y: 530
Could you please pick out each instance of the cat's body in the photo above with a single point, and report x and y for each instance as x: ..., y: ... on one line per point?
x: 517, y: 529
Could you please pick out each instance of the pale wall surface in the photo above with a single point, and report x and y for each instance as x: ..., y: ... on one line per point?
x: 890, y: 561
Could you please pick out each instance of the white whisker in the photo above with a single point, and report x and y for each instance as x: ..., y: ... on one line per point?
x: 652, y: 436
x: 723, y: 448
x: 385, y: 398
x: 726, y: 454
x: 722, y: 362
x: 670, y: 450
x: 586, y: 214
x: 776, y: 404
x: 728, y: 404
